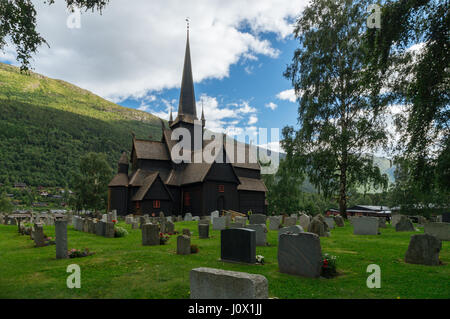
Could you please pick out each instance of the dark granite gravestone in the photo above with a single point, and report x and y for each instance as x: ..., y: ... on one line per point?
x: 423, y: 249
x: 446, y: 217
x: 238, y: 245
x: 100, y: 228
x: 203, y: 231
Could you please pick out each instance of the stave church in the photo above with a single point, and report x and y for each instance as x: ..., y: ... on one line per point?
x: 151, y: 181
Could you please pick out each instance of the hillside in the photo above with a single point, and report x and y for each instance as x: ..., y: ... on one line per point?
x: 46, y: 125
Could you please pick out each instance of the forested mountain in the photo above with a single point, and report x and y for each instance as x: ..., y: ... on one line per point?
x: 46, y: 125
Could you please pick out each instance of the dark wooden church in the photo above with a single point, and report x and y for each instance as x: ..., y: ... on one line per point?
x: 157, y: 183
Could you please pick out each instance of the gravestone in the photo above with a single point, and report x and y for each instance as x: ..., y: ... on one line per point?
x: 439, y: 230
x: 294, y: 216
x: 238, y: 245
x: 261, y: 233
x: 109, y: 230
x: 150, y: 235
x: 114, y: 215
x: 234, y: 225
x: 214, y: 214
x: 203, y: 221
x: 186, y: 232
x: 365, y: 226
x: 219, y: 223
x: 421, y: 220
x: 86, y: 225
x: 241, y: 220
x: 142, y: 221
x: 109, y: 218
x: 300, y: 254
x: 183, y: 245
x: 404, y: 224
x: 100, y: 228
x: 395, y: 219
x: 179, y: 218
x: 38, y: 235
x: 61, y: 239
x: 196, y: 218
x: 304, y: 221
x: 129, y: 220
x: 211, y: 283
x: 188, y: 217
x: 290, y: 221
x: 296, y: 229
x: 330, y: 222
x: 91, y: 226
x: 170, y: 227
x: 257, y: 219
x: 274, y: 222
x: 319, y: 227
x: 203, y: 231
x: 339, y: 221
x: 162, y: 227
x: 169, y: 219
x: 423, y: 249
x: 135, y: 225
x: 381, y: 222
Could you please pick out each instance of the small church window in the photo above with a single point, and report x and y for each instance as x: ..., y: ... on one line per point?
x: 138, y: 205
x: 221, y: 188
x: 187, y: 199
x: 156, y: 204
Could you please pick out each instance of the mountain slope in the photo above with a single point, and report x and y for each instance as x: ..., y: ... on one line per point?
x: 46, y: 125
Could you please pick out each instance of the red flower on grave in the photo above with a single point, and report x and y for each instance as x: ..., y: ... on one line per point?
x: 114, y: 221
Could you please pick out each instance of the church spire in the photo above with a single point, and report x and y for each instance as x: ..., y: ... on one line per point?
x: 170, y: 117
x: 187, y: 106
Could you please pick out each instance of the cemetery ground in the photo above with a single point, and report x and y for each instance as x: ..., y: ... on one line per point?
x: 123, y: 268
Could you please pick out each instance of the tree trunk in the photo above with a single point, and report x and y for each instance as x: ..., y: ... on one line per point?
x: 343, y: 185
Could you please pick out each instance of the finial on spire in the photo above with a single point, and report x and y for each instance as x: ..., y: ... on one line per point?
x: 203, y: 114
x: 170, y: 117
x: 187, y: 23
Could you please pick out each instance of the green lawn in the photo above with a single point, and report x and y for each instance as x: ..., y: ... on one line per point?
x: 123, y: 268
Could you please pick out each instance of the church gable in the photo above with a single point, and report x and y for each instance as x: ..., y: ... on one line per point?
x: 222, y: 172
x: 152, y: 188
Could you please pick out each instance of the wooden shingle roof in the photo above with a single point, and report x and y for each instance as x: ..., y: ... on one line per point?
x: 251, y: 184
x: 150, y: 150
x: 119, y: 180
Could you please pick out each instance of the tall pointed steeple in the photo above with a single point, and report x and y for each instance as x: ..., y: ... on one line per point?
x: 186, y: 107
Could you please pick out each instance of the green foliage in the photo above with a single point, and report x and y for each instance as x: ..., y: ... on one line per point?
x: 18, y: 24
x: 90, y: 183
x: 422, y: 82
x: 5, y: 204
x: 341, y: 113
x: 120, y: 232
x: 47, y: 125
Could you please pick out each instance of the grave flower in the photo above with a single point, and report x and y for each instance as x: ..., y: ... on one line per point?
x: 260, y: 259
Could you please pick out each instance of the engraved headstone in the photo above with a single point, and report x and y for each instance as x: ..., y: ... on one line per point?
x: 183, y: 245
x: 238, y: 245
x: 61, y: 239
x: 150, y: 235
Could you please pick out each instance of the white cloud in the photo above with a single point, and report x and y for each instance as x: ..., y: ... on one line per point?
x: 246, y: 108
x: 252, y: 120
x: 138, y: 46
x: 287, y: 95
x: 271, y: 106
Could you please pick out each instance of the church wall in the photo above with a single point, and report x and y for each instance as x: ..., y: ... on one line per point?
x: 146, y: 207
x: 250, y: 200
x: 196, y: 204
x: 118, y: 199
x: 212, y: 196
x: 176, y: 195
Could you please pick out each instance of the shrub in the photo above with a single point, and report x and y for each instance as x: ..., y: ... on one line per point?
x: 120, y: 232
x: 328, y: 266
x: 163, y: 239
x: 194, y: 249
x: 76, y: 253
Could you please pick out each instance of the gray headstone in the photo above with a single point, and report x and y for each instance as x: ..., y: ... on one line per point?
x: 109, y: 230
x: 423, y: 249
x: 170, y: 227
x: 203, y: 231
x: 214, y: 214
x: 188, y: 217
x: 134, y: 225
x: 219, y: 223
x: 404, y: 224
x: 339, y: 221
x: 439, y: 230
x: 241, y: 220
x: 38, y: 235
x: 150, y: 235
x: 210, y: 283
x: 304, y: 221
x: 300, y: 254
x: 330, y: 222
x: 261, y: 233
x: 395, y: 219
x: 183, y: 245
x: 290, y: 221
x: 100, y: 228
x: 236, y: 225
x: 296, y: 229
x: 196, y: 218
x: 381, y: 222
x: 186, y: 232
x: 365, y: 226
x: 319, y: 227
x: 257, y: 219
x: 274, y: 222
x: 61, y: 239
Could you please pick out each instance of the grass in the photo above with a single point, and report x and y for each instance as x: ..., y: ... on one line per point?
x: 123, y: 268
